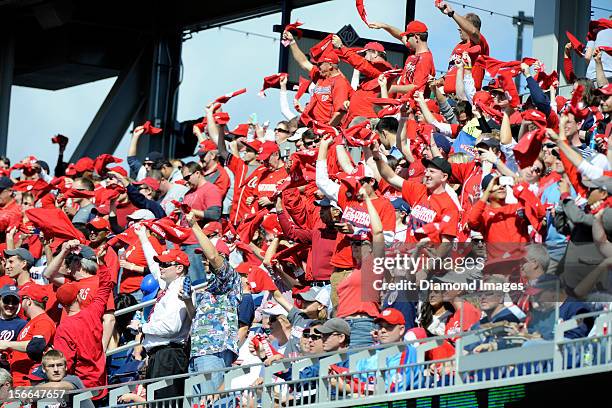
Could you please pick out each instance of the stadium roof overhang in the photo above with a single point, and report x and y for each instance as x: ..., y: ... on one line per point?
x: 64, y: 43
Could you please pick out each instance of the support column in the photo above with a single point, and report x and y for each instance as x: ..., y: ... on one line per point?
x: 162, y: 100
x: 7, y: 65
x: 552, y: 18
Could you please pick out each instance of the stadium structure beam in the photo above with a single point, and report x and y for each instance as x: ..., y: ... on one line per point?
x: 552, y: 18
x: 7, y: 64
x: 117, y: 111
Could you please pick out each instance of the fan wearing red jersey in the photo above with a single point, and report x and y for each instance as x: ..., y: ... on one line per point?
x: 246, y: 170
x: 273, y: 174
x: 83, y: 349
x: 434, y: 214
x: 76, y: 265
x: 420, y: 65
x: 355, y: 220
x: 470, y: 36
x: 35, y: 336
x: 332, y: 89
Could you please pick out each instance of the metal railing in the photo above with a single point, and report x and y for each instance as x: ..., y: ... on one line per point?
x: 541, y: 360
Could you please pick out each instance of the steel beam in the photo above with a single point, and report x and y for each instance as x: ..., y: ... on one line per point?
x: 117, y: 111
x: 162, y: 94
x: 7, y: 64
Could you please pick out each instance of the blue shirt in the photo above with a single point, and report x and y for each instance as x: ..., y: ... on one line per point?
x: 395, y: 380
x: 9, y: 329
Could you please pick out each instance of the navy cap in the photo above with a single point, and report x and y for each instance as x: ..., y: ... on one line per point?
x: 5, y: 182
x: 87, y: 253
x: 22, y: 253
x: 439, y: 163
x: 326, y: 202
x: 400, y: 205
x: 153, y: 157
x: 442, y: 142
x: 485, y: 181
x: 9, y: 290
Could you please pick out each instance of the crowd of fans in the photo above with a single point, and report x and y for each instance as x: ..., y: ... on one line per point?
x: 259, y: 249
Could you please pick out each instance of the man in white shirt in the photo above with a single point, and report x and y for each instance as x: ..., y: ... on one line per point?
x: 166, y: 332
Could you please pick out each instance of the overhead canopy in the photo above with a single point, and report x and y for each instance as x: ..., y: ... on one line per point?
x: 63, y: 43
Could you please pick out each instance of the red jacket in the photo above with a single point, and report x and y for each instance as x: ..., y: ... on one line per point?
x: 323, y: 244
x: 79, y: 337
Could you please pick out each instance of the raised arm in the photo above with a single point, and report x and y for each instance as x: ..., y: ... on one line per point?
x: 385, y: 170
x: 284, y: 104
x: 378, y: 238
x: 400, y: 137
x: 149, y: 253
x: 214, y: 133
x: 394, y: 31
x: 209, y: 250
x: 462, y: 22
x: 51, y: 272
x: 324, y: 183
x: 297, y: 53
x: 600, y: 74
x: 505, y: 132
x: 344, y: 159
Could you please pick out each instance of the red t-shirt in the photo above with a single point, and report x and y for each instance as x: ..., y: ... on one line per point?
x: 88, y: 287
x: 355, y: 213
x: 202, y: 198
x: 245, y: 184
x: 351, y: 297
x: 425, y: 209
x: 5, y: 280
x: 501, y: 224
x: 417, y: 69
x: 219, y: 177
x: 111, y: 260
x: 478, y: 70
x: 328, y: 96
x: 82, y: 348
x: 21, y: 364
x: 10, y: 214
x: 131, y: 280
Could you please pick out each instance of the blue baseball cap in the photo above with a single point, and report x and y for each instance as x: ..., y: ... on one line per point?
x: 400, y: 205
x: 9, y: 290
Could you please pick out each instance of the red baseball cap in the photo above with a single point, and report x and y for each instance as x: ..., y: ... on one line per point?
x: 173, y: 255
x: 100, y: 223
x: 254, y: 145
x: 67, y: 294
x: 245, y: 268
x: 35, y: 292
x: 374, y: 46
x: 207, y: 146
x: 120, y: 170
x: 391, y: 316
x: 84, y: 164
x: 606, y: 90
x: 329, y: 56
x: 149, y: 181
x: 212, y: 228
x: 266, y: 150
x: 241, y: 130
x: 415, y: 27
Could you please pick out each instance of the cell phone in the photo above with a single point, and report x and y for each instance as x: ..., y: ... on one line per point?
x: 187, y: 286
x: 506, y: 181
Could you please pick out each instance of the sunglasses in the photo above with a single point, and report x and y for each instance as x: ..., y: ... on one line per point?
x: 281, y: 130
x: 187, y: 177
x: 10, y: 300
x: 314, y: 337
x: 536, y: 170
x: 309, y: 143
x: 166, y: 265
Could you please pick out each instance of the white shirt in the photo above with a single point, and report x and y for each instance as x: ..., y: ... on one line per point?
x: 168, y: 322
